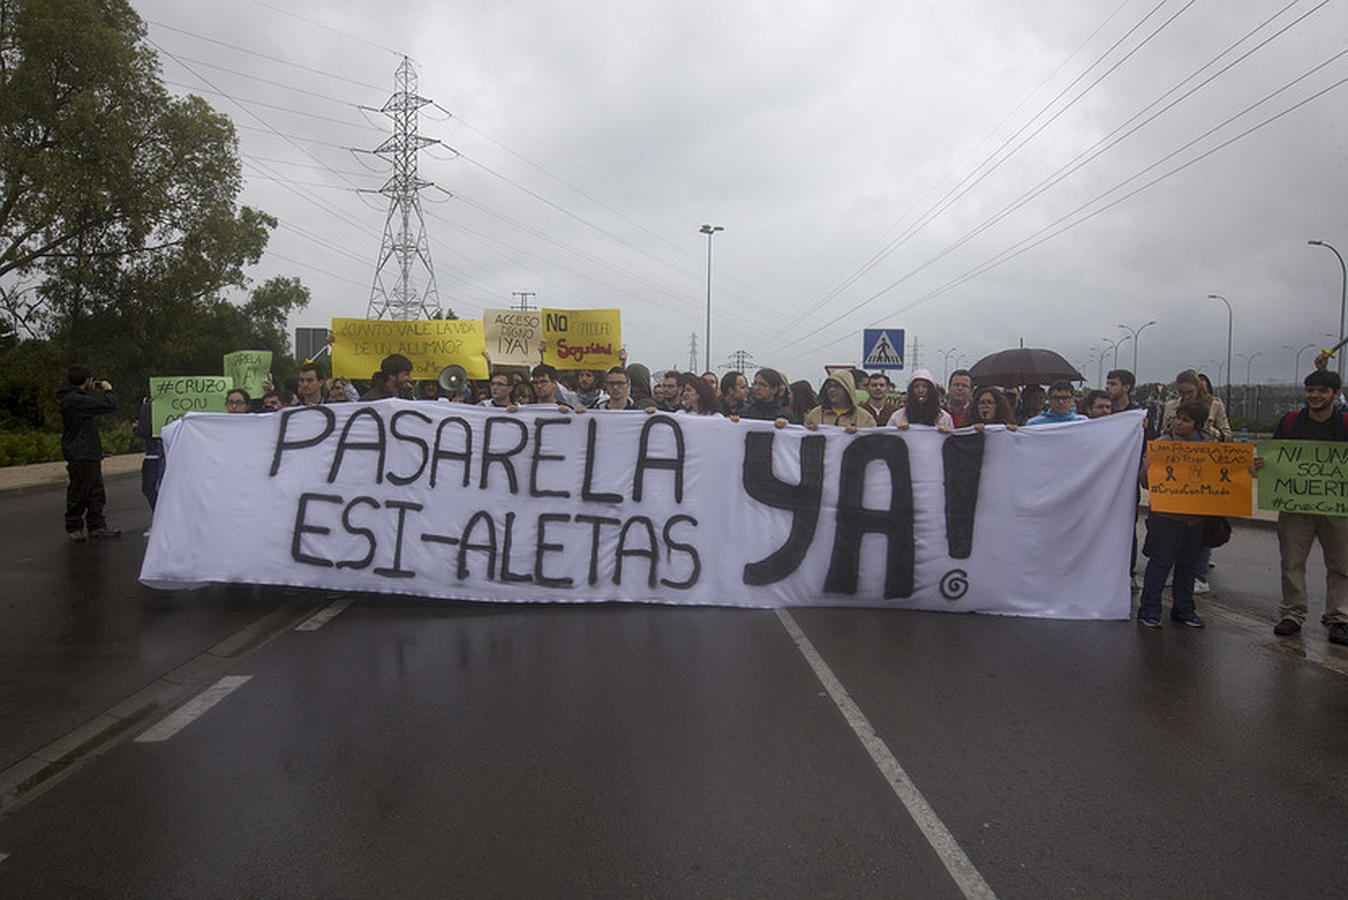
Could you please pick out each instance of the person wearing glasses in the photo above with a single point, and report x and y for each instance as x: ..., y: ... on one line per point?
x: 616, y: 384
x: 770, y: 400
x: 500, y: 387
x: 547, y: 389
x: 238, y: 401
x: 1060, y: 402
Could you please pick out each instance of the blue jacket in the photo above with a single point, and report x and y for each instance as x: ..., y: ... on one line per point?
x: 1047, y: 418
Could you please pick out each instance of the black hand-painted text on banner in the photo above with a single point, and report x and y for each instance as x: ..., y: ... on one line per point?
x: 463, y: 502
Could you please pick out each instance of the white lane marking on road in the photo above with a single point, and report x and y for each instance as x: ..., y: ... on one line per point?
x: 956, y: 862
x: 4, y: 856
x: 325, y: 615
x: 193, y: 709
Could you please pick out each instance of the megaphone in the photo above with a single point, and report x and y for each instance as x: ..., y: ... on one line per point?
x: 452, y: 378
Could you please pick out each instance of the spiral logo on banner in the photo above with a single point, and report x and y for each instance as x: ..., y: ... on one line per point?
x: 954, y: 584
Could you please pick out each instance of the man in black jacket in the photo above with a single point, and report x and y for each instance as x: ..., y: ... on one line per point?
x: 83, y: 452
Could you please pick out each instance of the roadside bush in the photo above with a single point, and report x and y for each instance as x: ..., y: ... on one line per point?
x: 21, y: 448
x: 25, y: 447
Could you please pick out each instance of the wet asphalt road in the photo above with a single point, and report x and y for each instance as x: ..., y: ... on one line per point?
x: 429, y: 749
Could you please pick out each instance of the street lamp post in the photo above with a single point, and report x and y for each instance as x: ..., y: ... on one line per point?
x: 1343, y: 294
x: 1135, y: 333
x: 1296, y: 366
x: 1248, y: 360
x: 947, y: 362
x: 709, y: 230
x: 1114, y: 345
x: 1230, y: 324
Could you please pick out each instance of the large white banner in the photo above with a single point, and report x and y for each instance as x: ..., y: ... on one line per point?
x: 452, y: 501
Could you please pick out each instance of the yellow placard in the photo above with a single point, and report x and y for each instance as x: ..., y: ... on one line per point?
x: 582, y: 338
x: 1200, y: 477
x: 360, y: 345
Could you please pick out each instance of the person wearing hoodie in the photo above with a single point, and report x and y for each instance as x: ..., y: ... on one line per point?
x: 838, y: 405
x: 83, y: 451
x: 922, y: 405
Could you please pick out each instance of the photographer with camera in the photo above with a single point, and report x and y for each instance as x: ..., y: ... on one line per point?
x: 83, y: 451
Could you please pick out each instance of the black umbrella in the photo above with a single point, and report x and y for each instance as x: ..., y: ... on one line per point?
x: 1023, y: 365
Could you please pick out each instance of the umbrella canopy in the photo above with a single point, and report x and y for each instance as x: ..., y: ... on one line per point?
x: 1023, y: 365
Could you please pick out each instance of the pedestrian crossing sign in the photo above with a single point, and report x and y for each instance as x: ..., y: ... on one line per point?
x: 882, y: 348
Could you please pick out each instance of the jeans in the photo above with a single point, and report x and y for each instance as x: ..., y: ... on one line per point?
x: 151, y: 471
x: 1173, y: 543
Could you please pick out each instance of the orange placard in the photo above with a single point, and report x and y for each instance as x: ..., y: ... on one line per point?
x: 1200, y: 477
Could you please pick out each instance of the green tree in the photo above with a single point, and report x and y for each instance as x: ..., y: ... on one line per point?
x: 119, y: 226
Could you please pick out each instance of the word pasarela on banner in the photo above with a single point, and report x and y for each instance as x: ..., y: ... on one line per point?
x: 1206, y: 478
x: 1304, y: 477
x: 582, y: 338
x: 360, y: 345
x: 470, y: 503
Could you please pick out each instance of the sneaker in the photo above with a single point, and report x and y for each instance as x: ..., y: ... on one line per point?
x: 1191, y: 620
x: 1149, y: 621
x: 76, y: 537
x: 1201, y: 587
x: 1286, y: 627
x: 104, y: 533
x: 1338, y: 633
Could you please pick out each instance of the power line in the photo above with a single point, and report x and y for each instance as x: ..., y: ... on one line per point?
x: 877, y: 253
x: 1101, y: 145
x: 265, y: 105
x: 270, y: 58
x: 1063, y: 224
x: 337, y: 31
x: 989, y: 166
x: 267, y: 81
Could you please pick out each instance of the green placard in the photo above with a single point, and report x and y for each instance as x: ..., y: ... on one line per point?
x: 175, y: 395
x: 1304, y: 477
x: 248, y: 369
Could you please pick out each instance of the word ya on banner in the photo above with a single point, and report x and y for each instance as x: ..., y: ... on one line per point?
x: 1200, y: 477
x: 582, y: 338
x: 360, y: 345
x: 176, y: 395
x: 512, y: 336
x: 1304, y: 477
x: 249, y: 370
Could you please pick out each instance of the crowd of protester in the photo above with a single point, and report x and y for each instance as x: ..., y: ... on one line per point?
x: 1177, y: 546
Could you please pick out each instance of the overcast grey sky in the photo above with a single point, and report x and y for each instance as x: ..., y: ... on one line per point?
x: 868, y: 161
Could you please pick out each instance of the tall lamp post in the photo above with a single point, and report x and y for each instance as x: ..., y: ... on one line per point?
x: 1248, y: 360
x: 1343, y: 295
x: 1230, y: 323
x: 709, y: 230
x: 1296, y: 366
x: 947, y: 362
x: 1135, y: 332
x: 1114, y: 345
